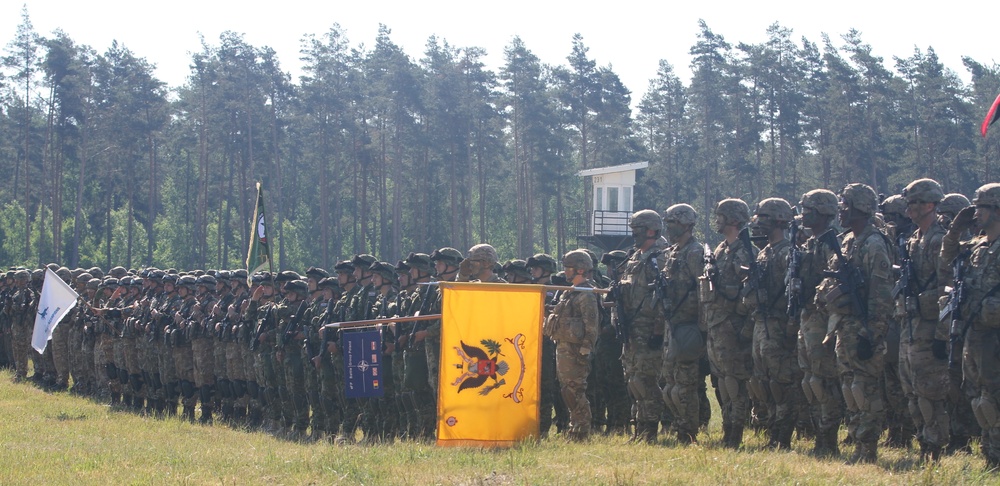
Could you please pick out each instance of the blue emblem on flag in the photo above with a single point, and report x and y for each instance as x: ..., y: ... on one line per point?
x: 362, y: 365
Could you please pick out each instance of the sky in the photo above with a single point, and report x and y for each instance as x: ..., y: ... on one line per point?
x: 632, y: 37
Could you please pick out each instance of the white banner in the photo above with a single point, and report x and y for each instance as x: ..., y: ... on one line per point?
x: 55, y: 302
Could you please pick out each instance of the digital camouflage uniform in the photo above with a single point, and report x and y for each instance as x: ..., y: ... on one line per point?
x: 980, y: 309
x: 776, y: 375
x: 816, y: 356
x: 730, y: 334
x: 573, y: 325
x: 681, y: 369
x: 861, y: 369
x: 418, y: 398
x: 289, y: 316
x: 923, y: 358
x: 642, y: 313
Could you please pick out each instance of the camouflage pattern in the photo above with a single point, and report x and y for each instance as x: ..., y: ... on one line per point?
x: 729, y: 334
x: 816, y: 358
x: 924, y: 376
x: 681, y: 377
x: 776, y: 377
x: 981, y: 310
x: 645, y: 316
x: 871, y: 253
x: 573, y: 326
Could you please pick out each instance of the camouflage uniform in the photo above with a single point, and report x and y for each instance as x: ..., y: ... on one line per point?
x: 641, y: 314
x: 573, y: 325
x: 289, y: 317
x: 609, y: 401
x: 681, y: 369
x: 201, y: 333
x: 730, y: 334
x: 20, y: 314
x: 923, y: 358
x: 860, y: 344
x: 417, y: 395
x: 776, y: 375
x: 980, y: 308
x: 179, y: 336
x: 816, y: 356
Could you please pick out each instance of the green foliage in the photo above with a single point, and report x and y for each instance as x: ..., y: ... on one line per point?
x: 374, y: 151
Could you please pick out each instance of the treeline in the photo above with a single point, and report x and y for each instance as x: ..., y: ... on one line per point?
x: 373, y: 151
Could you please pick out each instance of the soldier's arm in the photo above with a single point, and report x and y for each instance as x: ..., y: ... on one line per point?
x: 943, y: 278
x: 878, y: 270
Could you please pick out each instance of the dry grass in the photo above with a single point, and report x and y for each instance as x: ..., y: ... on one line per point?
x: 61, y: 439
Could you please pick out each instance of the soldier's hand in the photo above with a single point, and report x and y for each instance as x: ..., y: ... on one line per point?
x: 419, y: 336
x: 316, y: 361
x: 331, y: 347
x: 940, y: 349
x: 964, y: 219
x: 257, y: 293
x: 403, y: 340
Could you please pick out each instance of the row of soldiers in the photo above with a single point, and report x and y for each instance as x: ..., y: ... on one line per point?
x: 264, y: 352
x: 890, y: 323
x: 893, y: 318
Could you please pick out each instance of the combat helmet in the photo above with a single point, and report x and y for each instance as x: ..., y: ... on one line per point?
x: 860, y: 197
x: 648, y: 219
x: 823, y: 201
x: 988, y: 195
x: 682, y: 214
x: 578, y: 259
x: 923, y: 191
x: 736, y: 211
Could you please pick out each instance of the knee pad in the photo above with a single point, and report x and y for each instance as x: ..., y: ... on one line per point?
x: 111, y: 370
x: 731, y: 386
x: 985, y: 411
x: 926, y: 409
x: 757, y: 391
x: 225, y: 388
x: 253, y: 389
x: 778, y: 392
x: 858, y: 393
x: 852, y: 405
x: 156, y: 380
x: 123, y: 376
x: 636, y: 389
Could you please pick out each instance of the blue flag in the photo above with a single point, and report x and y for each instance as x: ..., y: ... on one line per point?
x: 363, y: 363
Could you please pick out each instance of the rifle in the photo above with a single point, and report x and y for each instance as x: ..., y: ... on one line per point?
x: 420, y: 325
x: 711, y: 270
x: 263, y: 326
x: 293, y: 324
x: 793, y: 279
x: 755, y: 275
x: 849, y: 277
x: 955, y: 297
x: 614, y: 296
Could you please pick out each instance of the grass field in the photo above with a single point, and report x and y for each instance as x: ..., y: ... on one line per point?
x: 56, y: 438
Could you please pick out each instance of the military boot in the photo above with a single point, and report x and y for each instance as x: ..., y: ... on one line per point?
x: 188, y: 413
x: 735, y: 436
x: 137, y: 404
x: 864, y: 453
x: 206, y: 414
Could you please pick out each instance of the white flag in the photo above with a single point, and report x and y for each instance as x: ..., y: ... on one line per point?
x: 55, y: 302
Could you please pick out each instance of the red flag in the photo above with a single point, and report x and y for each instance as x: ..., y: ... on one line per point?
x: 991, y: 117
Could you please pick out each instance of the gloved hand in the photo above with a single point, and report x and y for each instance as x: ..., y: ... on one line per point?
x: 964, y: 219
x: 655, y: 341
x: 940, y: 349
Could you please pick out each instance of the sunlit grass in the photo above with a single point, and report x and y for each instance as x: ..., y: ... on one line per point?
x: 56, y: 438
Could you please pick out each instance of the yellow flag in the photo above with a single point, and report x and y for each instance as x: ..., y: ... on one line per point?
x: 490, y: 368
